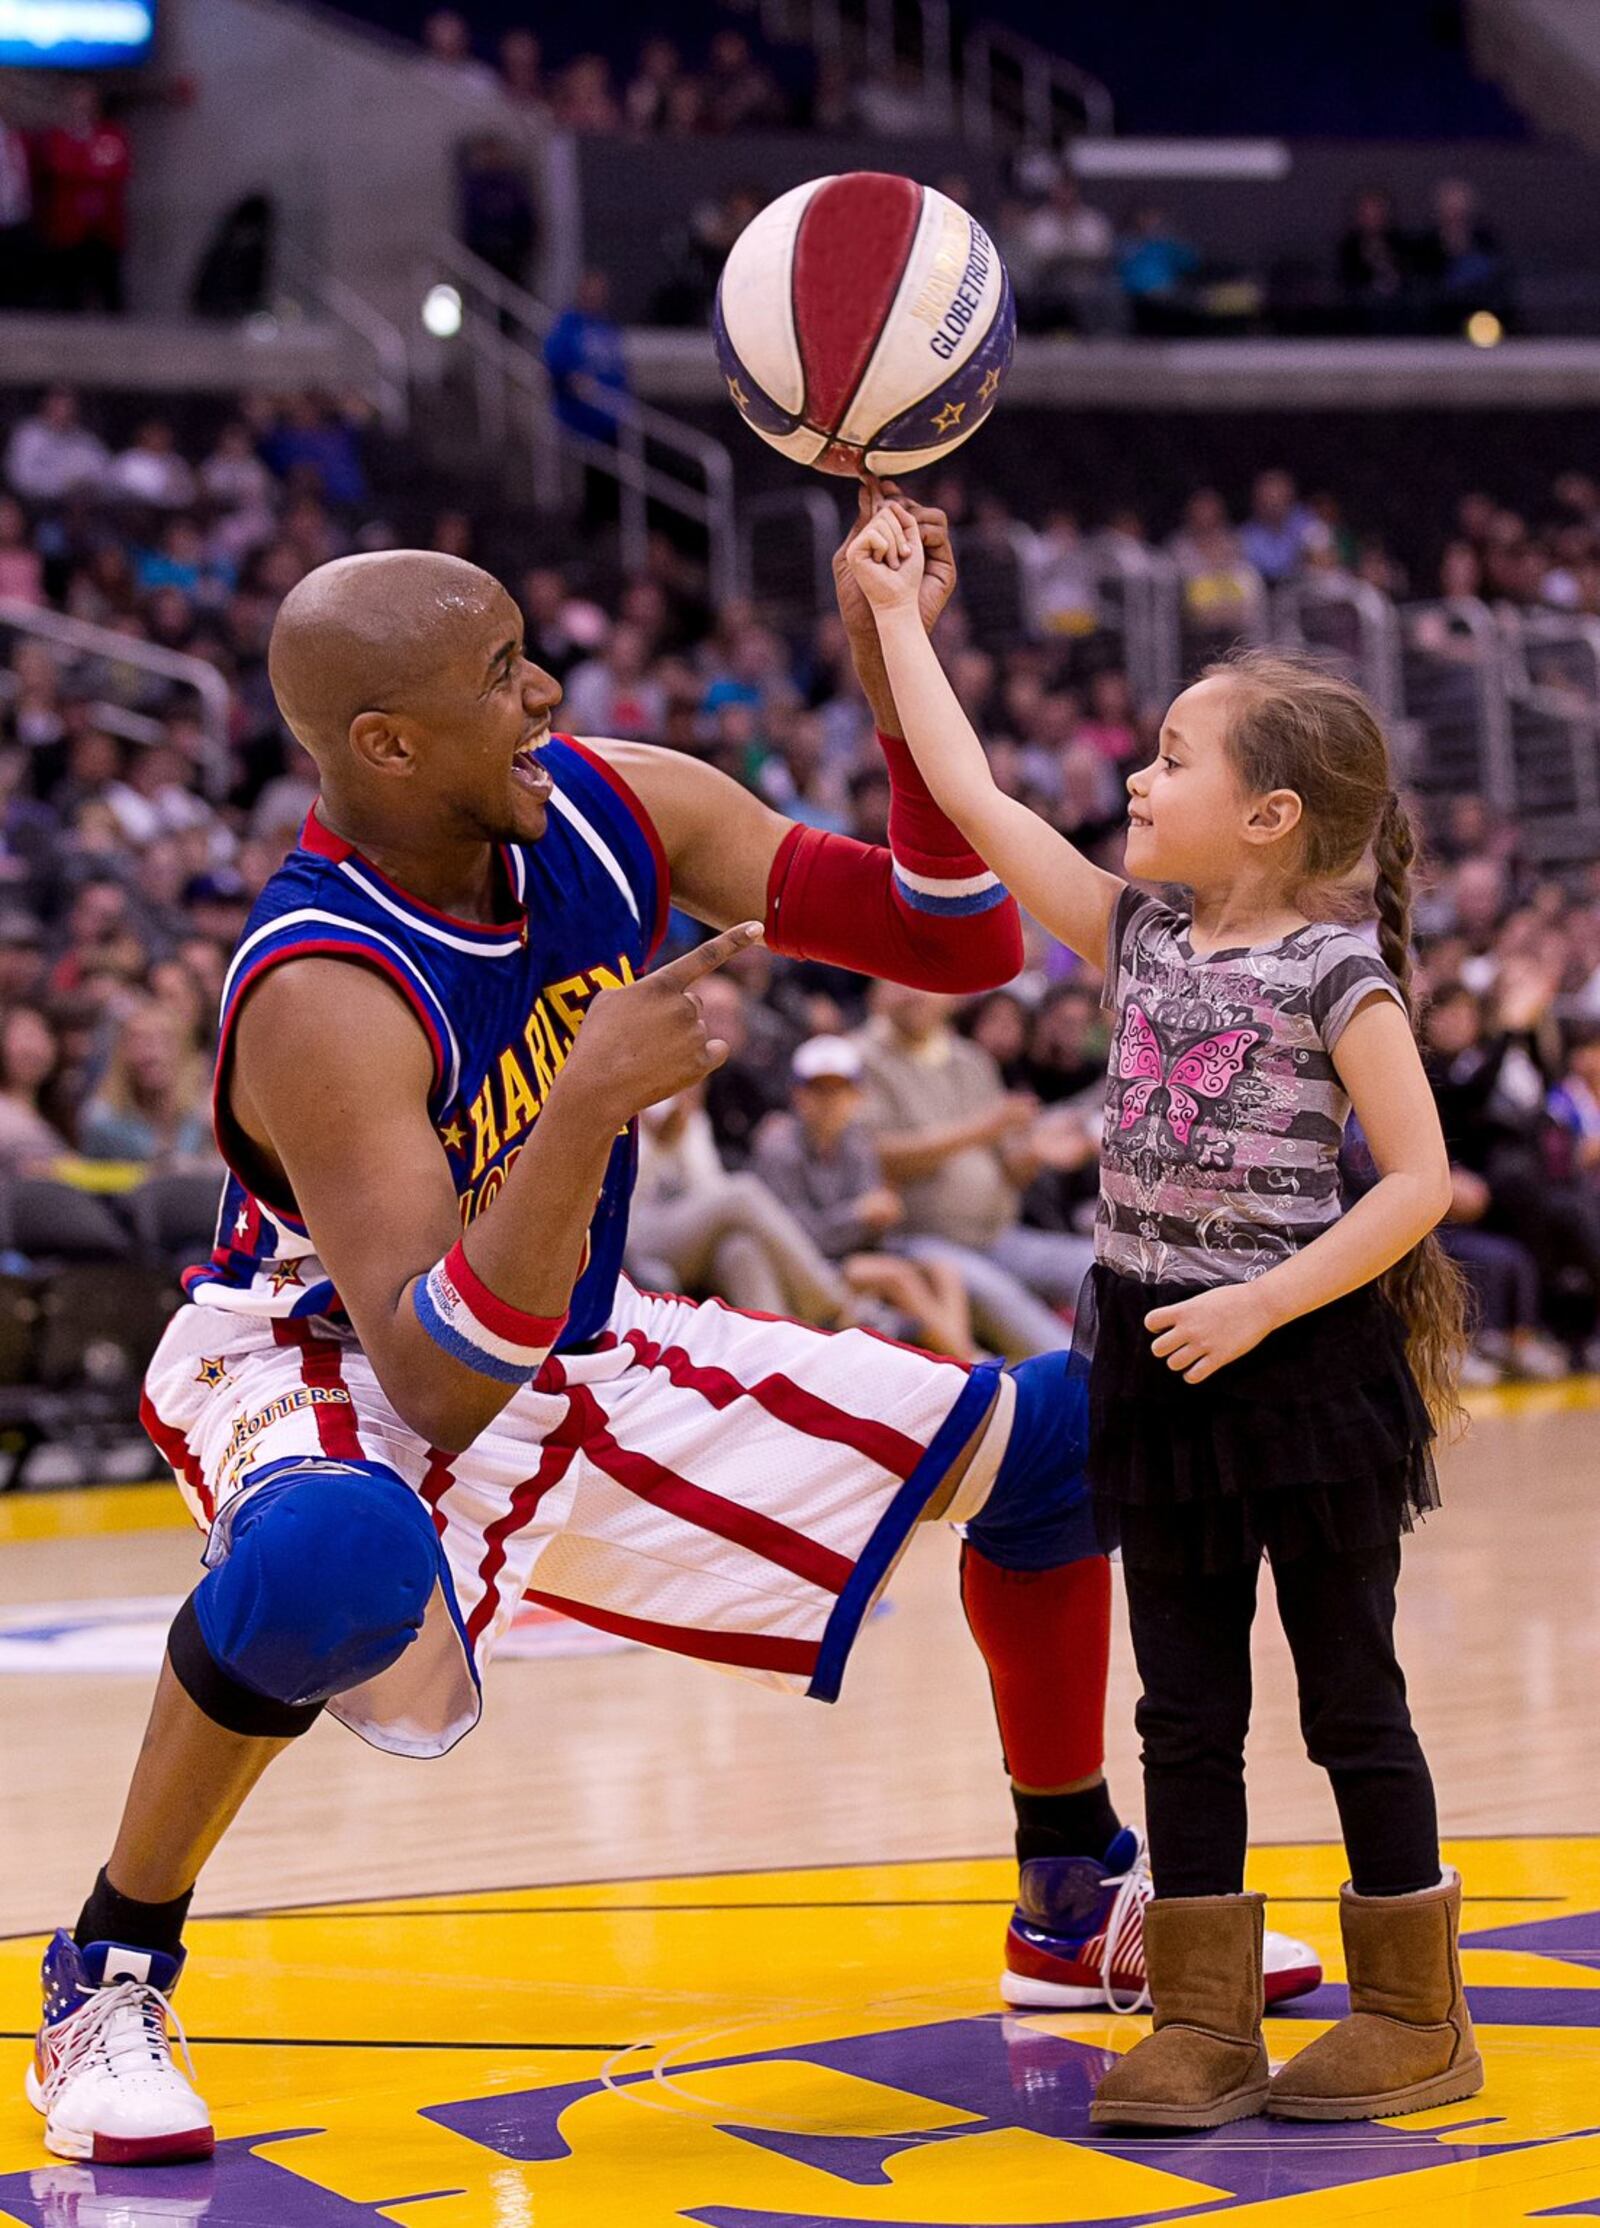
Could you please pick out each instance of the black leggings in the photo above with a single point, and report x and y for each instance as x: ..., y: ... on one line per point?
x: 1191, y: 1635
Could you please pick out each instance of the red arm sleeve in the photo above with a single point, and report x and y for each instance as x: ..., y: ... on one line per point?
x: 926, y: 911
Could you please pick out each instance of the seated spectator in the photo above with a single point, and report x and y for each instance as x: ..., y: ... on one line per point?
x: 696, y: 1227
x: 749, y: 1085
x: 181, y: 560
x: 1281, y: 531
x: 1058, y: 250
x: 998, y: 1023
x: 1061, y: 589
x: 741, y: 93
x: 154, y: 1104
x: 647, y: 101
x: 902, y: 105
x: 497, y: 218
x: 29, y: 1140
x: 447, y: 50
x: 614, y: 693
x: 960, y: 1149
x: 1374, y: 266
x: 583, y: 354
x: 1154, y: 265
x: 1221, y: 589
x: 52, y: 454
x: 233, y: 476
x: 315, y: 443
x: 1107, y: 727
x: 584, y: 99
x: 1574, y: 1108
x: 820, y: 1161
x: 82, y: 166
x: 693, y: 255
x: 1504, y: 1277
x: 522, y: 69
x: 1460, y: 264
x: 1069, y: 1039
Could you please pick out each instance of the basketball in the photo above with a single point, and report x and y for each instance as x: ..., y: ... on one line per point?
x: 864, y: 321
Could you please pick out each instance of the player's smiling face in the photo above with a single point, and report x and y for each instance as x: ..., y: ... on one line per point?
x: 509, y: 724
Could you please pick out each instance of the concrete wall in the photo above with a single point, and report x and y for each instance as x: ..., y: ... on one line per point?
x: 1546, y: 53
x: 350, y: 134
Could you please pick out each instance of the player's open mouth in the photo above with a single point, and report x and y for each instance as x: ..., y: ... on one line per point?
x: 526, y: 770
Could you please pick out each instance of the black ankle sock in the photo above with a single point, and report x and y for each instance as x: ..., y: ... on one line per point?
x: 1081, y: 1825
x: 110, y: 1916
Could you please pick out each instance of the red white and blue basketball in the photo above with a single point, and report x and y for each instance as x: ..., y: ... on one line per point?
x: 864, y: 320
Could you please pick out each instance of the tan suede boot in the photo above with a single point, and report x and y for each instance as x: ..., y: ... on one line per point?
x: 1408, y: 2041
x: 1203, y: 2062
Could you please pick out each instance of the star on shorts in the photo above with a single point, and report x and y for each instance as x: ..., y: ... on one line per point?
x: 284, y: 1273
x: 212, y: 1372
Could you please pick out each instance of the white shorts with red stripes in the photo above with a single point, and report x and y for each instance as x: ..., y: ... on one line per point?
x: 733, y: 1487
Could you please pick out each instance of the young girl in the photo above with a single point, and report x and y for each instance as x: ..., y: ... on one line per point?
x: 1264, y: 1366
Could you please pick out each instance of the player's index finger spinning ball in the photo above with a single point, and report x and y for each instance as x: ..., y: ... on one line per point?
x: 864, y: 320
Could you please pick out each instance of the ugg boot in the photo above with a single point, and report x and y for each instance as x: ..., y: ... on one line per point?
x: 1408, y: 2041
x: 1203, y: 2062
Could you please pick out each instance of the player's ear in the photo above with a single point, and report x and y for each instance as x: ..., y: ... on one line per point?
x: 381, y: 742
x: 1273, y: 816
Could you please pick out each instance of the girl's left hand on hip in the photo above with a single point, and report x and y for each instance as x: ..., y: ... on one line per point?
x: 1200, y: 1336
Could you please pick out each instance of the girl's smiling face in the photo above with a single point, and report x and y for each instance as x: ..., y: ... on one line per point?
x: 1189, y: 819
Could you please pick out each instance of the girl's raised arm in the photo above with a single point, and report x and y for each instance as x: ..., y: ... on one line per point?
x: 1043, y: 871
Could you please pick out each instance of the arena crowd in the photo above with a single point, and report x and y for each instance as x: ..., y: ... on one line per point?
x: 868, y: 1153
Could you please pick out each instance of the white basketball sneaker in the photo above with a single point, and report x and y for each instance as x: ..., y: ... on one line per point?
x: 1076, y: 1938
x: 102, y: 2072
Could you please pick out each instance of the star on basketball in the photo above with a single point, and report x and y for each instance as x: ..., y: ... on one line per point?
x: 283, y: 1273
x: 741, y: 401
x: 212, y: 1372
x: 949, y: 417
x: 990, y: 387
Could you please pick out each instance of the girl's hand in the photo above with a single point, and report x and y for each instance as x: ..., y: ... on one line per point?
x: 886, y: 559
x: 1200, y: 1336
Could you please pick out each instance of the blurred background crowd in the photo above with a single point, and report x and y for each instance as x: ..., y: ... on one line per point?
x: 868, y: 1153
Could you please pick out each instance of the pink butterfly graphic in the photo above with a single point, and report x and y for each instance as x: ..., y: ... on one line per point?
x: 1203, y: 1070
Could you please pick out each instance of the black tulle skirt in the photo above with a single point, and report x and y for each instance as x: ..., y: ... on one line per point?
x: 1318, y: 1440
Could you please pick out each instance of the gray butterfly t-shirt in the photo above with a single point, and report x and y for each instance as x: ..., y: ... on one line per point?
x: 1224, y: 1112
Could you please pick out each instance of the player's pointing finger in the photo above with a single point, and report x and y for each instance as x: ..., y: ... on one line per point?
x: 684, y: 973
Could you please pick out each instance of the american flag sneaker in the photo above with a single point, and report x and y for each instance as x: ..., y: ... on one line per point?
x: 1076, y: 1938
x: 102, y: 2071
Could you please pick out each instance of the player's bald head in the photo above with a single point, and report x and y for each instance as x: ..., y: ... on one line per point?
x: 374, y: 634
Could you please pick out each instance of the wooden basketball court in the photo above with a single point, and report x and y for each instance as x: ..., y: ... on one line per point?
x: 656, y: 1946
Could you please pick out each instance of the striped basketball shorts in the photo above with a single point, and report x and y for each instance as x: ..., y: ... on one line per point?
x: 727, y: 1486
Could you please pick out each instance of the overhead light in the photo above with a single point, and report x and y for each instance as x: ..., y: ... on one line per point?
x: 1484, y: 329
x: 441, y: 312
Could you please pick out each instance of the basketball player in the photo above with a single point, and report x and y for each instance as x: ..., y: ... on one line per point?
x: 412, y: 1387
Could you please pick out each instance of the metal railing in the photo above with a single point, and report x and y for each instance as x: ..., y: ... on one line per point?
x: 1012, y: 89
x: 1453, y: 680
x: 655, y: 458
x: 1350, y: 622
x: 113, y: 649
x: 379, y: 336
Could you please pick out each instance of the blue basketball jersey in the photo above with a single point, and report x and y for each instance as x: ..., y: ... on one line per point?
x: 500, y: 1006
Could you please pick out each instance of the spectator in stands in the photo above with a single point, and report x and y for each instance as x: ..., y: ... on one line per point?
x: 693, y: 1226
x: 584, y: 357
x: 903, y: 104
x: 1155, y: 264
x: 522, y: 69
x: 18, y: 263
x: 1460, y: 264
x: 447, y: 51
x: 151, y: 472
x: 1281, y: 531
x: 154, y: 1104
x: 1068, y: 1041
x: 1058, y: 250
x: 1574, y: 1108
x: 694, y: 253
x: 960, y: 1149
x: 29, y: 1140
x: 820, y: 1161
x: 52, y: 454
x: 741, y: 93
x: 497, y: 218
x: 233, y: 477
x: 1374, y: 266
x: 1061, y: 592
x: 82, y: 166
x: 647, y: 101
x: 314, y: 442
x: 561, y: 627
x: 615, y: 692
x: 584, y: 100
x: 1221, y: 589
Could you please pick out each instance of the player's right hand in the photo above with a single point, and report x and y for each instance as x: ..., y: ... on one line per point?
x: 887, y: 558
x: 646, y: 1042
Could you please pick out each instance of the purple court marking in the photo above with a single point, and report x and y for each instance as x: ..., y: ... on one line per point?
x: 1575, y: 1939
x: 236, y: 2189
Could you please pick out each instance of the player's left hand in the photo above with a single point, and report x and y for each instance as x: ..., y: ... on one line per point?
x: 938, y: 583
x: 886, y: 558
x: 1200, y: 1336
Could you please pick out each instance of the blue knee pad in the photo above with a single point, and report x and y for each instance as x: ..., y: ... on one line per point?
x: 327, y: 1578
x: 1038, y: 1513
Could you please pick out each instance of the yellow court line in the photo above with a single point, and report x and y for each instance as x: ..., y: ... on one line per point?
x: 93, y: 1512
